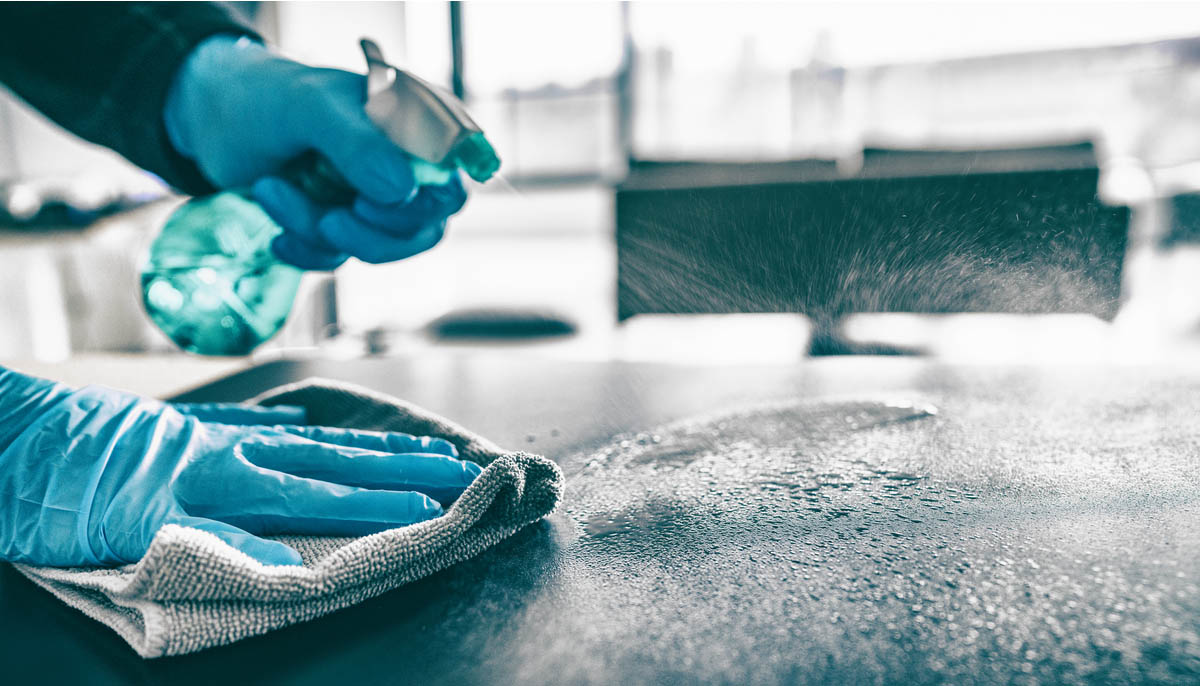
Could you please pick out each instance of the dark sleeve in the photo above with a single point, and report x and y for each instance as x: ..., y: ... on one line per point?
x: 102, y: 71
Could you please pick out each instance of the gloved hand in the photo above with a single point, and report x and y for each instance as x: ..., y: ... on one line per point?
x: 240, y: 112
x: 88, y: 476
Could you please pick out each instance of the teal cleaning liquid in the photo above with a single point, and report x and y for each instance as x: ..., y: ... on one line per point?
x: 211, y: 282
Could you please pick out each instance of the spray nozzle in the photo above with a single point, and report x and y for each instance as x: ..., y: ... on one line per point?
x: 425, y: 120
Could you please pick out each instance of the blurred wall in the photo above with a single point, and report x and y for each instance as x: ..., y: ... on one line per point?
x: 32, y: 147
x: 735, y: 79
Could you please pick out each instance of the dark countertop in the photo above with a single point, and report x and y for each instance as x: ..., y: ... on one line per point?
x: 1042, y: 526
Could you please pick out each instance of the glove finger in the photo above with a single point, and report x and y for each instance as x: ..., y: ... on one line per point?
x: 246, y: 415
x: 448, y: 198
x: 266, y: 552
x: 338, y: 127
x: 300, y: 243
x: 288, y: 504
x: 351, y: 235
x: 403, y: 219
x: 381, y: 441
x: 288, y: 206
x: 440, y: 477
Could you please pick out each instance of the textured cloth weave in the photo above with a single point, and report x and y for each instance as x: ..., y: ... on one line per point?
x: 191, y: 591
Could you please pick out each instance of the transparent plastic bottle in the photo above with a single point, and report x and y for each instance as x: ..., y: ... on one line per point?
x: 211, y: 282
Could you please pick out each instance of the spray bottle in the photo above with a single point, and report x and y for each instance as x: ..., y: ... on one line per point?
x: 213, y: 284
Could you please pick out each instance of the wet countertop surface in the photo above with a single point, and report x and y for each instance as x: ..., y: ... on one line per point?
x: 862, y: 520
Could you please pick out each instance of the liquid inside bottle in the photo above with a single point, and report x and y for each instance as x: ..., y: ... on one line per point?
x: 211, y: 282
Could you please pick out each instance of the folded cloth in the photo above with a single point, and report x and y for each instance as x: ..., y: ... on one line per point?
x: 191, y: 591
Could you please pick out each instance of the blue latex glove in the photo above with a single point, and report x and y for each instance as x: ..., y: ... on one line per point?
x: 88, y: 476
x: 240, y: 112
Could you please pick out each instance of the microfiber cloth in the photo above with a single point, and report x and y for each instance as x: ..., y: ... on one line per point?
x: 191, y: 591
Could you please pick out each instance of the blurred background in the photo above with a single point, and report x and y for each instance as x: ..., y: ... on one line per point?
x: 724, y: 182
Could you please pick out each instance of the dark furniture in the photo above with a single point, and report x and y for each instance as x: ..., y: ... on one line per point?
x: 913, y: 231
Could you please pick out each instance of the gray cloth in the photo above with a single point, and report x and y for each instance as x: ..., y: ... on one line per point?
x: 191, y: 591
